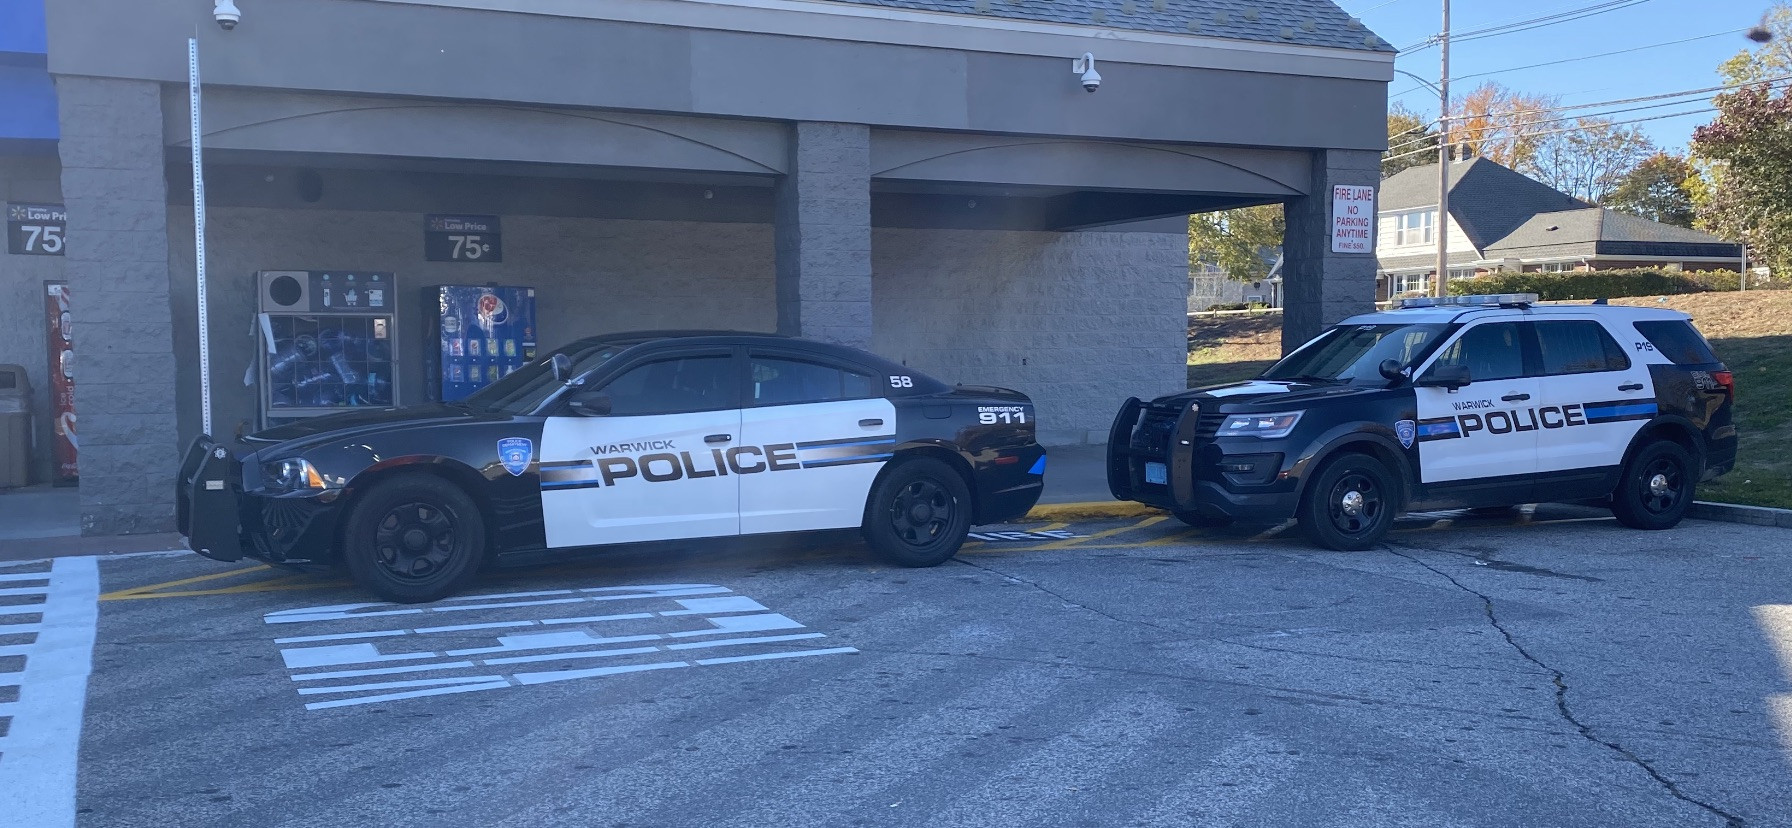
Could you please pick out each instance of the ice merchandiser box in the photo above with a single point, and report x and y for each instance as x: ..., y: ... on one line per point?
x: 328, y: 342
x: 474, y: 335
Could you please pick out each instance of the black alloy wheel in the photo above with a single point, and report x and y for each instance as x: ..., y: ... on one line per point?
x: 1351, y: 503
x: 918, y: 514
x: 1656, y: 487
x: 414, y: 538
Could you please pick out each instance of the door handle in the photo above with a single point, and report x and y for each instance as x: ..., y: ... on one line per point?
x: 1516, y: 397
x: 875, y: 422
x: 1631, y: 386
x: 718, y: 438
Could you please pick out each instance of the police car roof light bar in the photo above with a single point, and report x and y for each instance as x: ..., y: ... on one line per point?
x: 1503, y: 300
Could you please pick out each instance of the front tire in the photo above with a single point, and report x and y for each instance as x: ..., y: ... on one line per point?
x: 1656, y: 487
x: 918, y: 514
x: 414, y: 538
x: 1350, y: 504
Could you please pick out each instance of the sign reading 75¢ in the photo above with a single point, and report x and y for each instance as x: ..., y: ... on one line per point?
x: 462, y: 239
x: 35, y: 229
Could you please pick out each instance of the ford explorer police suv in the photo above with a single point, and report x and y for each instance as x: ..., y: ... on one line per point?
x: 1464, y: 402
x: 622, y: 439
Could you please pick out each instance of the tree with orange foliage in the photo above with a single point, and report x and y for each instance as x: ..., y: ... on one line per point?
x: 1502, y: 125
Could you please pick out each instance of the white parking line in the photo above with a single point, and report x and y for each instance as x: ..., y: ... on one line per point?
x: 39, y: 755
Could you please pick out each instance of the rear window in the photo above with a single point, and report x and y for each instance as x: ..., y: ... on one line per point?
x: 1678, y: 340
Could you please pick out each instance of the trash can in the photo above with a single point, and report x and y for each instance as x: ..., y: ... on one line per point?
x: 15, y: 427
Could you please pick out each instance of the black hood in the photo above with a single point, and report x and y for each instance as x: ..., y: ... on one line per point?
x: 1268, y: 393
x: 352, y: 423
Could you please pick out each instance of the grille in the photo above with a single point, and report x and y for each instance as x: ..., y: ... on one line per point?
x: 1207, y: 425
x: 1153, y: 435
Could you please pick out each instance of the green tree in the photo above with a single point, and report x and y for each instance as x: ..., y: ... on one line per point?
x: 1747, y: 150
x: 1237, y: 240
x: 1656, y: 189
x: 1408, y: 135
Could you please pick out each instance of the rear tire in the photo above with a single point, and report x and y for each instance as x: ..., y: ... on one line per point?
x: 1656, y: 487
x: 918, y: 514
x: 1350, y: 504
x: 414, y: 538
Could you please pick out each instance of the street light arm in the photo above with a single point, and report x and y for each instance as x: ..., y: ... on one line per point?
x: 1425, y: 83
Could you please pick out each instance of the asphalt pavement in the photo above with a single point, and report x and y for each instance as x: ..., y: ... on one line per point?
x: 1550, y: 669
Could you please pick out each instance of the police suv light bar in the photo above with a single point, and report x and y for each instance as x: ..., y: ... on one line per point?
x: 1504, y: 300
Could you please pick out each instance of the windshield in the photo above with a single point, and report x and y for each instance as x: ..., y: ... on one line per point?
x: 1354, y: 353
x: 526, y: 388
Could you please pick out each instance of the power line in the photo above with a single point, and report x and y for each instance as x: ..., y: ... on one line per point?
x: 1533, y: 23
x: 1600, y: 55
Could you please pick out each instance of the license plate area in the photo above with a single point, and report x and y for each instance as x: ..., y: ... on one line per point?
x: 1157, y: 473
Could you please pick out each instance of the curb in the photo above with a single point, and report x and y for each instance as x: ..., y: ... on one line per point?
x: 1737, y: 513
x: 1092, y: 510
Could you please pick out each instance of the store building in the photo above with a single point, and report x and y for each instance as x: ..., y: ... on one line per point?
x: 925, y: 178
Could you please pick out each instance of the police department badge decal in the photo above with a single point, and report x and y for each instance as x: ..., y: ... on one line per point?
x: 515, y: 453
x: 1405, y: 430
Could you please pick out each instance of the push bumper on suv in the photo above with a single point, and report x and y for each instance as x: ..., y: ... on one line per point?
x: 226, y: 515
x: 1168, y: 456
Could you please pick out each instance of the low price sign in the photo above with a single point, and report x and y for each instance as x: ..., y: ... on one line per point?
x: 35, y: 229
x: 462, y: 239
x: 1353, y: 219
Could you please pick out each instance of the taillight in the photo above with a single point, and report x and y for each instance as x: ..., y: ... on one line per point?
x: 1727, y: 380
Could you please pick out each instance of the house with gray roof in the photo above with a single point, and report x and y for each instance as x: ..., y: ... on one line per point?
x: 1503, y: 220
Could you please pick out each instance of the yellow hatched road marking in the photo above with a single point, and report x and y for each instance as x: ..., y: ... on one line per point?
x: 1070, y: 542
x: 135, y: 591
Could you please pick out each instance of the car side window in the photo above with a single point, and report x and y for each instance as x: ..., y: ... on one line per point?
x: 781, y: 381
x: 1578, y: 346
x: 1493, y: 351
x: 674, y: 386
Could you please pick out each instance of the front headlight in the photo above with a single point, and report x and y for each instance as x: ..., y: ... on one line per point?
x: 1267, y: 426
x: 292, y: 475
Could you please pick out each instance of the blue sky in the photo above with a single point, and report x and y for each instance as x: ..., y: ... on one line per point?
x: 1669, y: 68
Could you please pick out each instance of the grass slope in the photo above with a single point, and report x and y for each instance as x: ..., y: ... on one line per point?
x: 1752, y: 333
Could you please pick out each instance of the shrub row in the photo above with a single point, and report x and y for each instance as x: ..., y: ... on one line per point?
x: 1608, y: 284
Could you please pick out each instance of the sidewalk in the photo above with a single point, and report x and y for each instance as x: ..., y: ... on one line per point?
x: 45, y: 522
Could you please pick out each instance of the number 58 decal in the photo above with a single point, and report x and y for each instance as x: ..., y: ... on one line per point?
x: 902, y: 382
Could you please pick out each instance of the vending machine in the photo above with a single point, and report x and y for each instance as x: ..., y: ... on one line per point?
x: 328, y: 343
x: 475, y: 334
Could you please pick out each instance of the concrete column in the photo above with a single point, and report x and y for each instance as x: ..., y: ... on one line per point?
x: 117, y: 269
x: 823, y: 238
x: 1321, y: 287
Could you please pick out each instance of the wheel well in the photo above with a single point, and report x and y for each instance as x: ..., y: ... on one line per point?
x: 1675, y: 432
x: 1396, y: 465
x: 945, y: 455
x: 462, y: 477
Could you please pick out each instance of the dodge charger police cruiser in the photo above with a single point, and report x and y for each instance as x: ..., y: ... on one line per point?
x: 1465, y: 402
x: 622, y: 439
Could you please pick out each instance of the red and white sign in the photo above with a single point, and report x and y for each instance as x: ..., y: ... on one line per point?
x: 1353, y: 219
x: 64, y: 447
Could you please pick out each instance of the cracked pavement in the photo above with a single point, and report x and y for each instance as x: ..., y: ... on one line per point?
x: 1535, y: 670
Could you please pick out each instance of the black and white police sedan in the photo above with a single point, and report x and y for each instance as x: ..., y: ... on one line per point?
x: 1478, y: 401
x: 623, y: 439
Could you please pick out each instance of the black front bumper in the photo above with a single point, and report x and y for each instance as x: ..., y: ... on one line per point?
x: 208, y: 498
x: 1242, y: 479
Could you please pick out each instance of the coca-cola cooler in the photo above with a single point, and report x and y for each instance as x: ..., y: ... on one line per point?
x: 329, y: 342
x: 474, y: 336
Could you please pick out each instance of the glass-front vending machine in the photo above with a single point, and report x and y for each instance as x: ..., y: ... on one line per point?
x: 474, y: 335
x: 328, y: 341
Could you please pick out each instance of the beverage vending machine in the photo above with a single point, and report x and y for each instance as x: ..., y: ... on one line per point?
x: 328, y: 343
x: 475, y: 335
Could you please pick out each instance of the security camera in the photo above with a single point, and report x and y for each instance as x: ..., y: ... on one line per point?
x: 227, y: 14
x: 1085, y: 66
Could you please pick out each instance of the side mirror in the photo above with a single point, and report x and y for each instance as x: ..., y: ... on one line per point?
x: 1392, y: 370
x: 590, y: 405
x: 562, y: 366
x: 1444, y: 376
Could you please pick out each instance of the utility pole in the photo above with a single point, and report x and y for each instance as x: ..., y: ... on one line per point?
x: 1443, y: 159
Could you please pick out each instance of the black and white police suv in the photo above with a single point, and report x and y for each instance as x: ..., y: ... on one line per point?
x: 622, y: 439
x: 1465, y: 402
